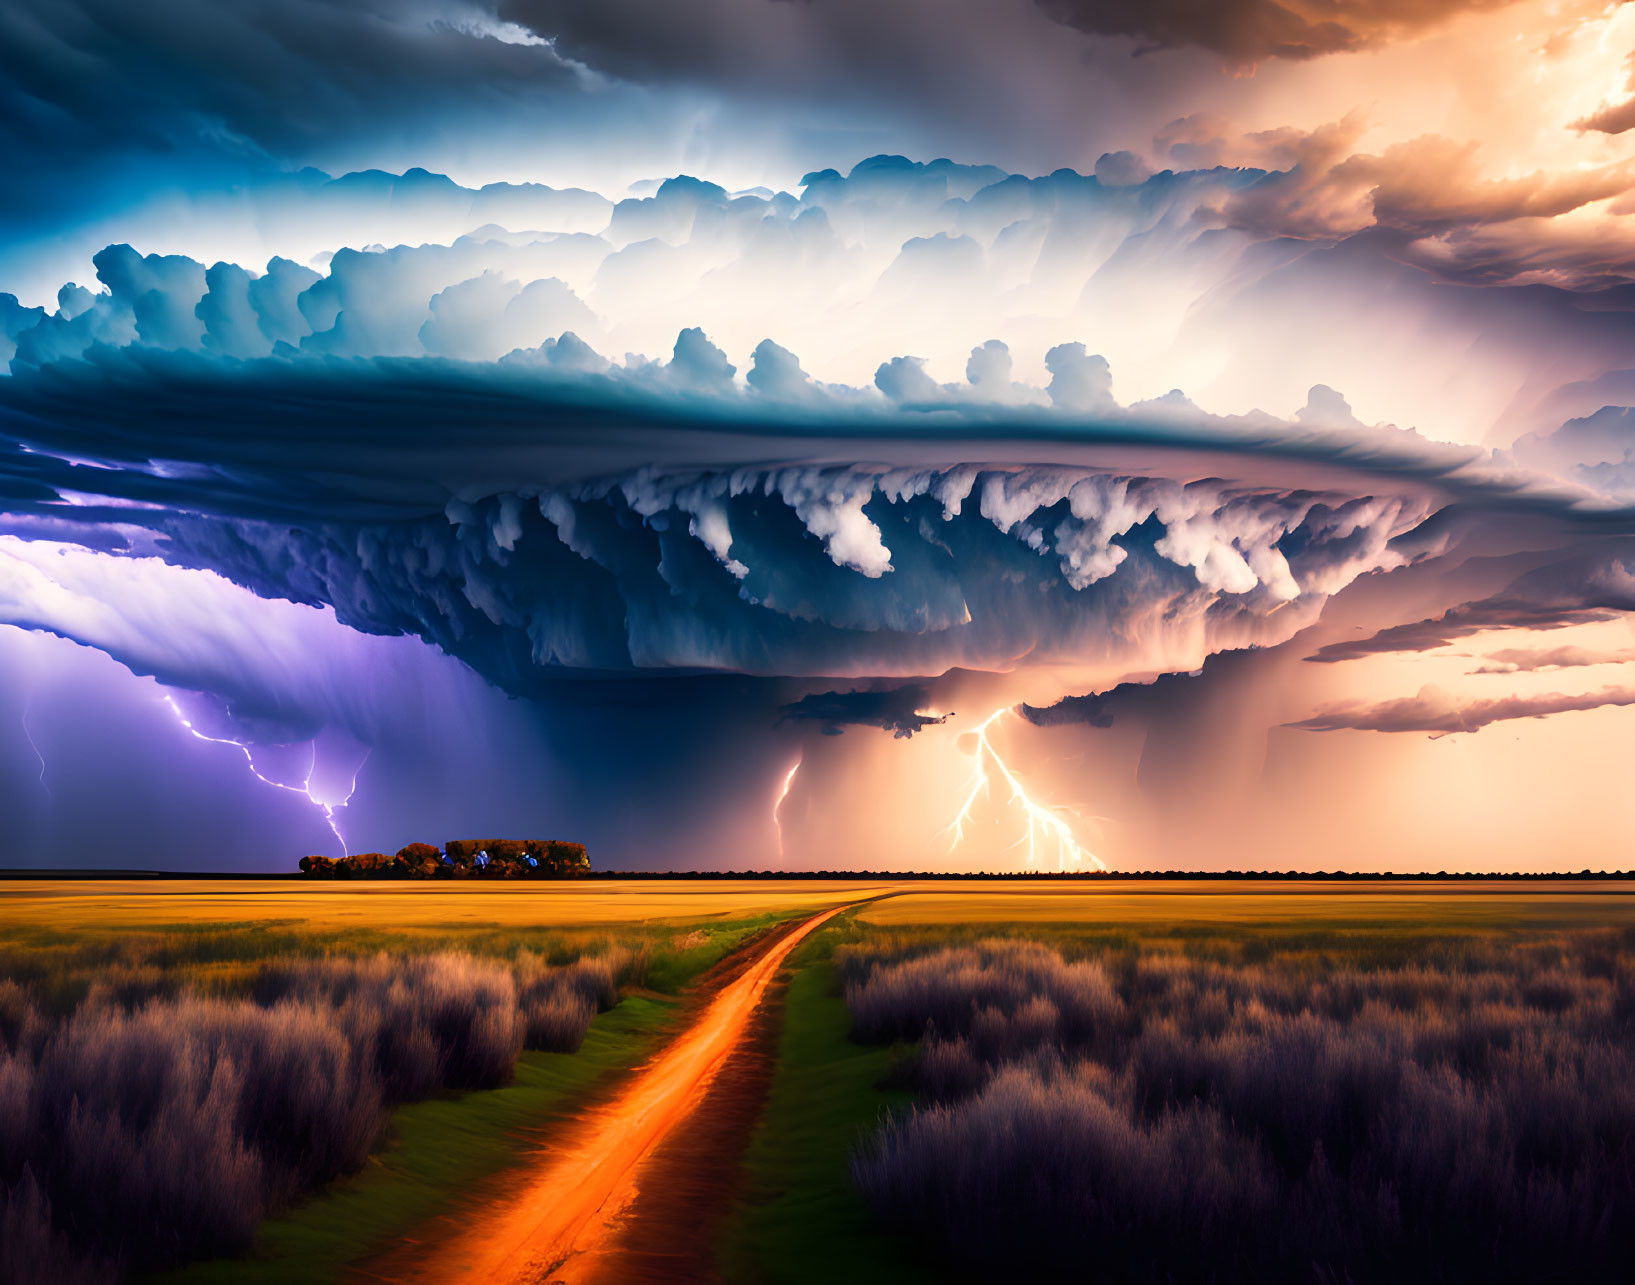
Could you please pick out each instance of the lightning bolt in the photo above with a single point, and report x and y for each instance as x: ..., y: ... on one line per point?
x: 29, y: 737
x: 304, y: 789
x: 1045, y: 826
x: 783, y: 793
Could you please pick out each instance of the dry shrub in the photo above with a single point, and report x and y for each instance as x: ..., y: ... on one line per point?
x: 559, y: 1003
x: 557, y: 1020
x: 1049, y: 1169
x: 979, y: 991
x: 31, y: 1249
x: 149, y: 1126
x: 1469, y: 1117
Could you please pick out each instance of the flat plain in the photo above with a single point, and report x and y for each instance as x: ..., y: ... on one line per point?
x: 143, y: 903
x: 1261, y: 904
x: 146, y: 904
x: 1149, y: 1016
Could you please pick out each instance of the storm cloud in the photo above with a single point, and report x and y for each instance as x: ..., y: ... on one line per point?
x: 1247, y: 31
x: 394, y: 444
x: 496, y: 509
x: 897, y: 710
x: 1585, y: 589
x: 900, y: 277
x: 1515, y: 660
x: 510, y: 409
x: 1440, y: 713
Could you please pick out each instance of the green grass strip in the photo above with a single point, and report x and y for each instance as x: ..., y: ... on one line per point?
x: 801, y: 1219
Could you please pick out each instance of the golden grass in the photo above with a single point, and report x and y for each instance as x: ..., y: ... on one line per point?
x: 1365, y: 903
x: 391, y: 905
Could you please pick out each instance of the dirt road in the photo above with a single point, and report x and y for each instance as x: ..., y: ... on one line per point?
x: 564, y: 1218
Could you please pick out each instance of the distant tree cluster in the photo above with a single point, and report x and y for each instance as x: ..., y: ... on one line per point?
x: 459, y: 859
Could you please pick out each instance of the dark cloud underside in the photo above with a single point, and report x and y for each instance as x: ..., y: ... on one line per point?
x: 1440, y: 714
x: 1248, y: 31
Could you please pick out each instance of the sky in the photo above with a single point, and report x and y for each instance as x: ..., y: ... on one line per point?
x: 809, y: 434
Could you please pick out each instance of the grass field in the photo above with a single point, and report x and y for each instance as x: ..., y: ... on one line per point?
x: 399, y: 911
x: 406, y: 907
x: 322, y: 1009
x: 1507, y: 946
x: 1188, y: 976
x: 1369, y: 904
x: 1430, y: 1082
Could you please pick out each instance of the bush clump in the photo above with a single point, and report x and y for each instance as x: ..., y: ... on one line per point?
x: 150, y: 1125
x: 558, y: 1003
x: 1466, y: 1117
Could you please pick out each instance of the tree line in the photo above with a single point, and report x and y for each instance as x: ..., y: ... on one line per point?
x: 459, y: 859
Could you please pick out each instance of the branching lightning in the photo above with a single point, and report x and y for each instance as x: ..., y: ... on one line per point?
x: 1045, y: 825
x: 304, y: 789
x: 783, y: 793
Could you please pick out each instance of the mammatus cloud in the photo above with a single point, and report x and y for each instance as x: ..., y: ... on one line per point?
x: 823, y: 570
x: 1441, y: 713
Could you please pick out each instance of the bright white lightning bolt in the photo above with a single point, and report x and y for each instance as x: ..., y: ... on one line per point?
x: 777, y: 803
x: 1044, y: 824
x: 304, y: 789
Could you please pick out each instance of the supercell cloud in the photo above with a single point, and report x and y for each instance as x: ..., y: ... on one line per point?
x: 624, y: 463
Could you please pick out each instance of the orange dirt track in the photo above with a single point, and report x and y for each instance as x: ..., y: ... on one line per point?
x: 566, y: 1217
